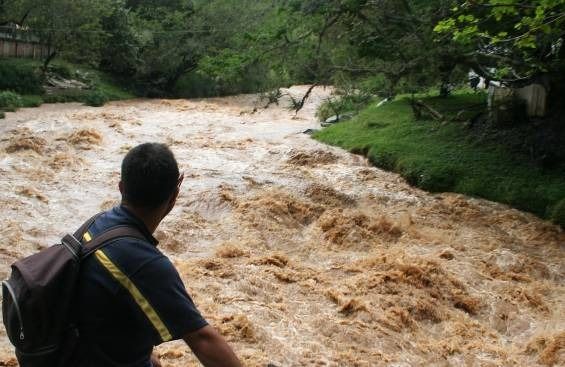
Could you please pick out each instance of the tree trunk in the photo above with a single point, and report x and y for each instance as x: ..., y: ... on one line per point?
x: 444, y: 90
x: 48, y: 59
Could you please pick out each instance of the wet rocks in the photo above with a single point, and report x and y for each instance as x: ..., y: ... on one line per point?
x: 338, y: 118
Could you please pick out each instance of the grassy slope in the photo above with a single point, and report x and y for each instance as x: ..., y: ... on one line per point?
x: 440, y: 157
x: 22, y: 76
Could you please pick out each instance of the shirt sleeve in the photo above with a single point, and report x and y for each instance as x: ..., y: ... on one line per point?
x: 175, y: 314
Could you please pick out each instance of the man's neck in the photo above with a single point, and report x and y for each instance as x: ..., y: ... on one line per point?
x: 150, y: 218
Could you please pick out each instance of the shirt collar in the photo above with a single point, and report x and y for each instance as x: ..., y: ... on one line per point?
x: 133, y: 219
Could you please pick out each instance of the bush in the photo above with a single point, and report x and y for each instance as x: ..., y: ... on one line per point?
x: 195, y: 85
x: 345, y: 101
x: 69, y: 95
x: 20, y: 75
x: 61, y: 70
x: 558, y: 213
x: 95, y: 98
x: 10, y: 101
x: 2, y: 115
x: 32, y: 101
x: 377, y: 85
x: 326, y: 110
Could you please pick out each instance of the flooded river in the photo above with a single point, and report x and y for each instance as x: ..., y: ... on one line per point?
x: 299, y: 253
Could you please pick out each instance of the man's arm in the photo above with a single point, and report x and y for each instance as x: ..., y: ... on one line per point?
x: 211, y: 348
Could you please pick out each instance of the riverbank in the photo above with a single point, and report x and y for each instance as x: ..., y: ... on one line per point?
x: 448, y: 157
x: 23, y: 84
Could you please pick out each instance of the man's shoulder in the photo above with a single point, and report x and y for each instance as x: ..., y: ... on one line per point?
x: 133, y: 255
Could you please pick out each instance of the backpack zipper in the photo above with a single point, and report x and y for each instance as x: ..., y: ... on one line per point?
x: 18, y: 312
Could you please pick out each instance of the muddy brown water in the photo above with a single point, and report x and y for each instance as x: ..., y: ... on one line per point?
x: 299, y: 253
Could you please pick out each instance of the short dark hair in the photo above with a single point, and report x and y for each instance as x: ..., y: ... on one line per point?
x: 150, y: 175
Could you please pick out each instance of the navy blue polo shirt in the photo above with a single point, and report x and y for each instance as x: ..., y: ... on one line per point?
x: 130, y: 298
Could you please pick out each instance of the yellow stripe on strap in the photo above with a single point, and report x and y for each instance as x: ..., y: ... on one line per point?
x: 136, y: 294
x: 87, y: 237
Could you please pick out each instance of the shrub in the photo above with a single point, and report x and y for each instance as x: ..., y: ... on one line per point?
x: 326, y: 110
x: 558, y: 213
x: 10, y: 101
x: 68, y: 95
x: 95, y: 98
x: 32, y: 101
x: 62, y: 70
x: 55, y: 98
x: 345, y: 101
x: 194, y: 85
x: 22, y: 76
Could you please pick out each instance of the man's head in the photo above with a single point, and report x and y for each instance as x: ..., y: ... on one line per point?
x: 150, y: 177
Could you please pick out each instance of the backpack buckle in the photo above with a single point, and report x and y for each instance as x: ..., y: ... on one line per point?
x: 73, y: 245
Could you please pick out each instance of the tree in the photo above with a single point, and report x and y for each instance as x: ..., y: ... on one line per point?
x: 119, y: 53
x: 69, y: 28
x: 510, y: 40
x: 348, y: 40
x: 168, y: 46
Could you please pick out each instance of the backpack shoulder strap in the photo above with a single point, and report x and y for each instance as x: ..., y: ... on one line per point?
x: 110, y: 235
x: 82, y: 230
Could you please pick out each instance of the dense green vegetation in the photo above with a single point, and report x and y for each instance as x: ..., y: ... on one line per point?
x: 10, y: 101
x: 438, y: 156
x: 22, y: 84
x: 211, y: 47
x: 21, y: 76
x: 152, y: 45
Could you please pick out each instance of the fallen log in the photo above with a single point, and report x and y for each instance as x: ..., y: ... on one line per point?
x: 419, y: 106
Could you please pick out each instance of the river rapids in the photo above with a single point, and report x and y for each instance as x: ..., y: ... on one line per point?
x: 301, y: 254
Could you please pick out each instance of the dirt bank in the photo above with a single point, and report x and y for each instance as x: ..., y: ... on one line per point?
x: 301, y: 254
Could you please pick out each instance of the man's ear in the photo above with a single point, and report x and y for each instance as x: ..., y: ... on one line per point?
x: 172, y: 201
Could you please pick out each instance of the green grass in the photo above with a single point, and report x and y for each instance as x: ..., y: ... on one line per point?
x: 447, y: 157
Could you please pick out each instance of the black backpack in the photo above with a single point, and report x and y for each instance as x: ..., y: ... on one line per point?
x: 37, y: 302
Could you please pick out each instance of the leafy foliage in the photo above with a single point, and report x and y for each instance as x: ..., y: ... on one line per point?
x: 31, y: 100
x: 95, y: 98
x: 520, y: 39
x: 385, y: 47
x: 20, y: 76
x: 10, y: 101
x: 344, y: 100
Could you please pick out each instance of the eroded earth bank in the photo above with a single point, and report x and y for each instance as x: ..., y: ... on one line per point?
x: 301, y: 254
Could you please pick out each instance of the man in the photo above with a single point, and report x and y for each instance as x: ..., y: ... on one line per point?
x: 131, y: 297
